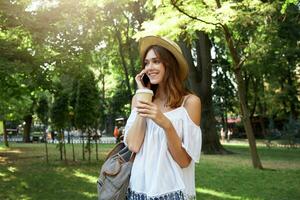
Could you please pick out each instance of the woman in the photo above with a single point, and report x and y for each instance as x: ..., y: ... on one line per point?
x: 165, y: 133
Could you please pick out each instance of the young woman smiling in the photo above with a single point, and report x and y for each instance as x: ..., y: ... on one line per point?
x: 165, y: 133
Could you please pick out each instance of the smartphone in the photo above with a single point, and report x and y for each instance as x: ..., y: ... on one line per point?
x: 145, y: 80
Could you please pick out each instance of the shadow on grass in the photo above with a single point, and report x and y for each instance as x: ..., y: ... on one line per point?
x: 41, y: 181
x: 24, y: 175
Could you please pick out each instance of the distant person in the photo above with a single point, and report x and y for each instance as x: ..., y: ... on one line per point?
x: 116, y: 133
x: 164, y: 133
x: 223, y: 135
x: 52, y: 136
x: 229, y: 134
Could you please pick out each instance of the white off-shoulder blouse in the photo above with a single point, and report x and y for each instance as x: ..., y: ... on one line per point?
x: 155, y: 174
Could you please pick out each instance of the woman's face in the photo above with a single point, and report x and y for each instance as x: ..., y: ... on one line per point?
x: 154, y: 67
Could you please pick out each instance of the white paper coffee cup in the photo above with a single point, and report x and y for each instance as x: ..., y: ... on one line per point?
x: 144, y: 95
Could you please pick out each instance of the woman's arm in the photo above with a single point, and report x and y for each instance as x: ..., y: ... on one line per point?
x: 136, y: 132
x: 179, y: 154
x: 175, y: 147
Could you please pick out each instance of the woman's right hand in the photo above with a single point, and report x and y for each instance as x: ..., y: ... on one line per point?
x: 138, y: 79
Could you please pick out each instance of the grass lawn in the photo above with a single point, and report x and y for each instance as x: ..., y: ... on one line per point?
x: 24, y: 174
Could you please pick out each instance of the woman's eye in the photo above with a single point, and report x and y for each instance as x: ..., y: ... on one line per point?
x: 157, y: 61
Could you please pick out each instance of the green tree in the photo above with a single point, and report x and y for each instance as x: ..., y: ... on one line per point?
x: 225, y: 22
x: 59, y: 118
x: 87, y: 108
x: 43, y: 114
x: 23, y: 78
x: 224, y: 91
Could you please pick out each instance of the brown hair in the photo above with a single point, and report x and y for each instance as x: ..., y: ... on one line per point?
x: 174, y: 87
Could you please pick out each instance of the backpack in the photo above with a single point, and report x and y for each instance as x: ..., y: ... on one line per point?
x: 115, y: 173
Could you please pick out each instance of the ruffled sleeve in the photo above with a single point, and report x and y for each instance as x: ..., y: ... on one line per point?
x: 129, y: 123
x: 192, y: 139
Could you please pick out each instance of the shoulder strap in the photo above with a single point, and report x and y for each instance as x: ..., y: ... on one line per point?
x: 184, y: 100
x: 127, y: 155
x: 115, y: 150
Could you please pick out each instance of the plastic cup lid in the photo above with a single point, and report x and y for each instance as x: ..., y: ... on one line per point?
x: 144, y: 90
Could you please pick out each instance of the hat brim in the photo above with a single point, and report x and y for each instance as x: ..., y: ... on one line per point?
x: 148, y: 41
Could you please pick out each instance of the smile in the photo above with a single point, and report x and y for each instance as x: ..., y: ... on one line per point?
x: 153, y: 73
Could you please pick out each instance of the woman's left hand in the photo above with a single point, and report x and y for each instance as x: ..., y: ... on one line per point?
x: 151, y: 110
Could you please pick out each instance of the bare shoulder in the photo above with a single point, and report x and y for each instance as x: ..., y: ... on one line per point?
x: 193, y: 107
x: 192, y: 100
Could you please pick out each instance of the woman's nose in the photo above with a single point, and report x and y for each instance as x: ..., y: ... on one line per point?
x: 149, y: 65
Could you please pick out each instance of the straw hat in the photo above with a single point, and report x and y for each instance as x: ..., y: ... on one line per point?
x: 148, y: 41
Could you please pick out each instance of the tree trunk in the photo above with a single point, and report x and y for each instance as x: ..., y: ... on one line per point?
x: 89, y: 145
x: 200, y: 82
x: 237, y: 64
x: 64, y: 146
x: 122, y: 56
x: 131, y: 58
x: 131, y: 45
x: 96, y: 143
x: 27, y: 128
x: 5, y: 134
x: 83, y: 150
x: 246, y: 120
x: 73, y: 150
x: 104, y: 106
x: 46, y: 146
x: 60, y: 145
x: 69, y: 139
x: 262, y: 125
